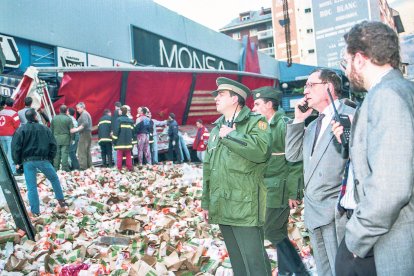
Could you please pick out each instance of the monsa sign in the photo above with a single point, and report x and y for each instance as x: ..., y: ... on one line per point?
x: 155, y: 50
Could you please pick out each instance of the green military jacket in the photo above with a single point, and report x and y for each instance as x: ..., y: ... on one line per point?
x: 283, y: 179
x: 60, y: 127
x: 233, y: 188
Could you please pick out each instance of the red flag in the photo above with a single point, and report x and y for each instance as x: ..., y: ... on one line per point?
x: 252, y: 59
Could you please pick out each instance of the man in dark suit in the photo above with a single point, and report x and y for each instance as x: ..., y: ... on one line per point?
x: 382, y: 155
x: 323, y: 165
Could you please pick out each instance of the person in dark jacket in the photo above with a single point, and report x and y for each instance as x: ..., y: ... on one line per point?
x: 34, y: 147
x: 143, y: 130
x: 173, y: 142
x: 123, y: 137
x: 104, y: 138
x: 115, y: 115
x: 60, y: 127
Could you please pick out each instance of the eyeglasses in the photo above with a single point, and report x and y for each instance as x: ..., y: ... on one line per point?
x: 311, y: 84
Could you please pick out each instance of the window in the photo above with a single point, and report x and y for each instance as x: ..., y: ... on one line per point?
x: 245, y: 17
x: 309, y: 31
x: 308, y: 10
x: 236, y: 35
x: 311, y: 51
x: 253, y: 32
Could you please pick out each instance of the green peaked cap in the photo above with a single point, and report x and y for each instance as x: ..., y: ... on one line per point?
x: 231, y: 85
x: 267, y: 92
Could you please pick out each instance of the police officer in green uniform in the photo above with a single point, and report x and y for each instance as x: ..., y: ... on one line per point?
x: 234, y: 193
x: 284, y: 183
x: 61, y: 126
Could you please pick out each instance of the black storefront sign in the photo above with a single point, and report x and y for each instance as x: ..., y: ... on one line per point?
x: 152, y: 49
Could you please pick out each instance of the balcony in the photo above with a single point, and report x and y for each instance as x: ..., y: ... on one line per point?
x: 265, y: 34
x: 268, y: 51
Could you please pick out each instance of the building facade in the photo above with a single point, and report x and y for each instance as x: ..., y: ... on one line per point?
x: 311, y: 32
x: 112, y: 33
x: 255, y: 24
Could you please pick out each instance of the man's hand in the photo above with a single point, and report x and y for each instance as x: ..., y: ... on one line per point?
x: 293, y: 203
x: 337, y: 130
x: 225, y: 130
x: 205, y: 215
x: 299, y: 116
x: 17, y: 167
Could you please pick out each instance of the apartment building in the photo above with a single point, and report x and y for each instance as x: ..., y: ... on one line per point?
x: 309, y: 32
x: 255, y: 24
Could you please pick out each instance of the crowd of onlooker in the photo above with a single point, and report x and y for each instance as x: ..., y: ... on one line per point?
x: 118, y: 133
x: 34, y: 142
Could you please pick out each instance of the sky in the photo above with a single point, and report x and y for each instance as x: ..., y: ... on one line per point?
x: 215, y: 14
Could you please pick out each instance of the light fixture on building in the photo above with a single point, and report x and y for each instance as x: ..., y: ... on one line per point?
x: 133, y: 62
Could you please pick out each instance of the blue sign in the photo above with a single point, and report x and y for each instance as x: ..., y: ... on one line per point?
x: 28, y: 53
x: 8, y: 85
x: 332, y: 20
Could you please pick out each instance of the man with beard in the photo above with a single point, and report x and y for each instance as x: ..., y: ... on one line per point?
x: 323, y: 165
x: 234, y: 194
x: 382, y: 157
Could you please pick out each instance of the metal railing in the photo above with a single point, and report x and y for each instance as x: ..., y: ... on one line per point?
x: 265, y: 34
x: 268, y: 51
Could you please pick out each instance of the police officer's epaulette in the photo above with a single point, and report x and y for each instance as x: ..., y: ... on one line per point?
x: 260, y: 120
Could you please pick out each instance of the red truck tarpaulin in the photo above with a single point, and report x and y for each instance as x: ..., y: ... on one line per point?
x: 187, y: 94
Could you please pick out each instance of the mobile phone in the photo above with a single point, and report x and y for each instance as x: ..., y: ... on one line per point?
x: 346, y: 123
x: 303, y: 108
x: 343, y: 119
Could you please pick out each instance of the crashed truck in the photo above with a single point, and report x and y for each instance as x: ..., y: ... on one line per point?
x: 184, y: 92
